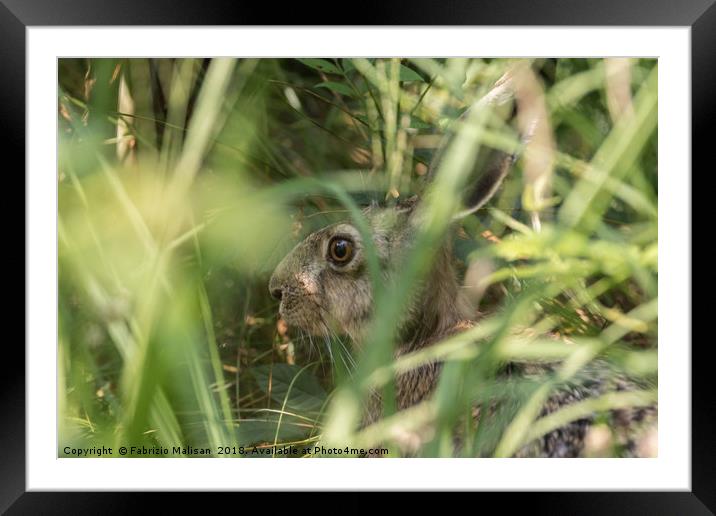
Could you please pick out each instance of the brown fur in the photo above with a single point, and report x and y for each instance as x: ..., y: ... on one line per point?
x: 322, y: 298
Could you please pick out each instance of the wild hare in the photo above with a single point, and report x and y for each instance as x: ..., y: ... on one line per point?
x: 324, y: 288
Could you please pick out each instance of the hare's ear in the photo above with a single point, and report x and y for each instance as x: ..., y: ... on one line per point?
x: 492, y: 172
x: 491, y: 165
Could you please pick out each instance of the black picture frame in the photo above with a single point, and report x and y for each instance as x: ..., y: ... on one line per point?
x: 699, y: 15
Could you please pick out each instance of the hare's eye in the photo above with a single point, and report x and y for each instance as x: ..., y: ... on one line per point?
x: 340, y: 250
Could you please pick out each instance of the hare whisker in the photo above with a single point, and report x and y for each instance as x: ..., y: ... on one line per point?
x: 347, y: 352
x: 330, y: 351
x: 334, y: 336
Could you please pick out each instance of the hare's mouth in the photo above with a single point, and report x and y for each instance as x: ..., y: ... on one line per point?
x: 307, y: 319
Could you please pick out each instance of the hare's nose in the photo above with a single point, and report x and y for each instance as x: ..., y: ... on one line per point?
x: 277, y: 284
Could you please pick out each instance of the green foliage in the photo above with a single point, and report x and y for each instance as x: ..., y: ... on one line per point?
x: 285, y: 384
x: 183, y: 182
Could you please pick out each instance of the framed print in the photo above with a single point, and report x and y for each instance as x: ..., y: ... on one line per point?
x: 429, y: 253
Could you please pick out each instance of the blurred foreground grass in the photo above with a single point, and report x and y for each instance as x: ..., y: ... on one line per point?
x: 183, y: 182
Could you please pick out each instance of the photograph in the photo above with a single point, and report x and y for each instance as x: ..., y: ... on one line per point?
x: 357, y: 257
